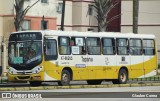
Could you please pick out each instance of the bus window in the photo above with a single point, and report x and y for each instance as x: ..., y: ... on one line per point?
x: 108, y: 46
x: 135, y: 46
x: 78, y: 45
x: 64, y: 46
x: 93, y: 46
x: 148, y: 47
x: 122, y: 46
x: 50, y: 49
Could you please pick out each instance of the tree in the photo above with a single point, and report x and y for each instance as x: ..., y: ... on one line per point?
x: 135, y: 16
x: 21, y: 12
x: 103, y: 8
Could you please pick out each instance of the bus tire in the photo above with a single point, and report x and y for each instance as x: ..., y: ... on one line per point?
x: 65, y: 78
x: 122, y: 77
x: 35, y: 83
x: 94, y: 82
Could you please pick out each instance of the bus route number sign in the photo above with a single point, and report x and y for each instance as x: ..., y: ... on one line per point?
x: 66, y: 58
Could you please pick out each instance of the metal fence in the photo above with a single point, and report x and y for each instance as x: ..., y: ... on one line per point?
x: 155, y: 78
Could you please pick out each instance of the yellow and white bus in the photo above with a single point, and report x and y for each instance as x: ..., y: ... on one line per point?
x: 64, y: 56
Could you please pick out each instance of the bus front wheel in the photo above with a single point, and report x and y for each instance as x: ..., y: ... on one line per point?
x: 65, y: 78
x: 122, y: 77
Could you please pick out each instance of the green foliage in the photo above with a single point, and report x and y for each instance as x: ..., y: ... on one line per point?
x: 103, y: 8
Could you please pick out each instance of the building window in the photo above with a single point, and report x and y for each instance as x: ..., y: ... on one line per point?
x: 90, y: 29
x: 26, y: 25
x: 59, y: 8
x: 90, y: 9
x: 44, y: 1
x: 44, y: 24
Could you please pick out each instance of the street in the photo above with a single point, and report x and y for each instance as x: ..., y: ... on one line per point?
x: 148, y: 93
x: 25, y: 84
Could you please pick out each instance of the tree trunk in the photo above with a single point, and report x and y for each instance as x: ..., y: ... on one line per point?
x: 20, y: 13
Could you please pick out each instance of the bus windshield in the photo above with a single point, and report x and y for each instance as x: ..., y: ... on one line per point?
x: 25, y: 53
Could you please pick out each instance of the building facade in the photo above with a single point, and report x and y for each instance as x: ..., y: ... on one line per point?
x: 149, y: 17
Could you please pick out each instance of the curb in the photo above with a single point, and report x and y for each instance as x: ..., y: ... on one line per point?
x: 77, y: 87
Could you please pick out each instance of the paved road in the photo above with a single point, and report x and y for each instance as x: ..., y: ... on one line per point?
x: 148, y: 93
x: 10, y: 84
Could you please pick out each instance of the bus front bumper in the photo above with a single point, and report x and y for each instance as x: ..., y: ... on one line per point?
x: 26, y: 77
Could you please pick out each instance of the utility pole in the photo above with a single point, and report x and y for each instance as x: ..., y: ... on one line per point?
x: 43, y: 23
x: 135, y: 15
x: 63, y: 15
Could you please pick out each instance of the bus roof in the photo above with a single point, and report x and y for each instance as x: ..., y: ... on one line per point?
x: 89, y: 34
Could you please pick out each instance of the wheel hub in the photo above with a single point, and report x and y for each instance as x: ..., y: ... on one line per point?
x: 65, y: 77
x: 123, y: 77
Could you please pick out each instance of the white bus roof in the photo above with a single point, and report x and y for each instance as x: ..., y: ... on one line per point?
x: 90, y: 34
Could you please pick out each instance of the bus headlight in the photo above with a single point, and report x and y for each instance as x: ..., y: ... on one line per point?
x: 36, y: 70
x: 12, y: 71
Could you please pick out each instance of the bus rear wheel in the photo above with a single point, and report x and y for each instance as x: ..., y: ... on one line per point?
x: 122, y: 77
x: 65, y: 78
x: 94, y: 82
x: 35, y: 83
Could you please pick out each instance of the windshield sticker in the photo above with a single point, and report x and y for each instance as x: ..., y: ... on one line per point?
x: 19, y: 44
x: 79, y: 41
x: 64, y: 41
x: 34, y: 59
x: 18, y: 60
x: 75, y: 49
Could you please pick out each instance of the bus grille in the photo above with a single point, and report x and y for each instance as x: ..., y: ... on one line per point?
x: 21, y: 72
x: 23, y: 77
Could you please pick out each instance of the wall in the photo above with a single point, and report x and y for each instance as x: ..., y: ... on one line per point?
x: 149, y: 17
x: 6, y: 7
x: 68, y: 16
x: 40, y: 9
x: 82, y: 21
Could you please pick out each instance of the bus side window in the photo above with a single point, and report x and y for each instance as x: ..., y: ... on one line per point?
x: 93, y: 46
x: 64, y: 45
x: 148, y: 47
x: 135, y: 46
x: 78, y: 45
x: 108, y: 46
x: 122, y: 46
